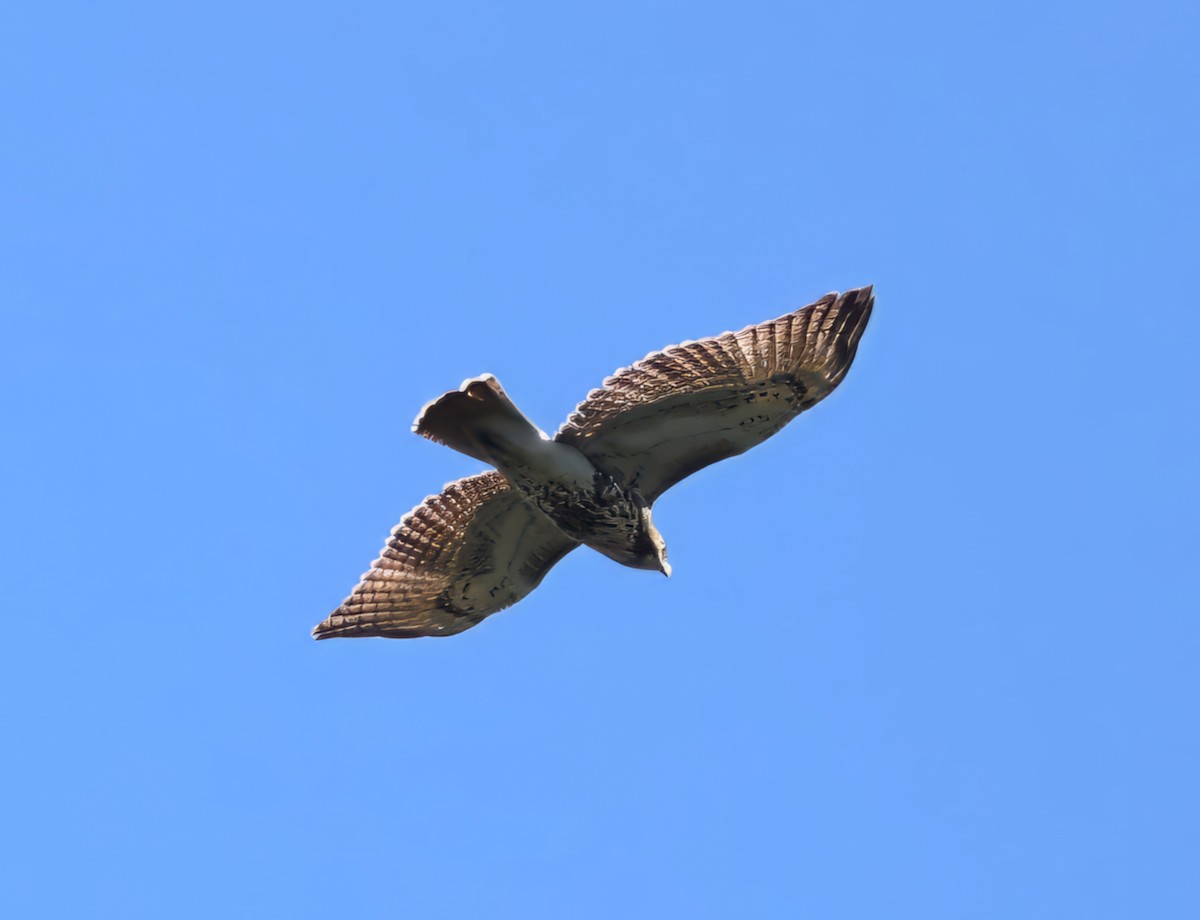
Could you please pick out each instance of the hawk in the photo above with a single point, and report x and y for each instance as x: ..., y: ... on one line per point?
x: 486, y: 541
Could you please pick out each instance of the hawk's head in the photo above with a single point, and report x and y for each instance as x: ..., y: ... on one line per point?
x: 650, y: 548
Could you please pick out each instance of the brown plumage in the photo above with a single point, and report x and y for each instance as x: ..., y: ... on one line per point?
x: 486, y: 541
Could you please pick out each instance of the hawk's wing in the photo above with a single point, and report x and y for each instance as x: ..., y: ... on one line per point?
x: 676, y: 411
x: 467, y: 552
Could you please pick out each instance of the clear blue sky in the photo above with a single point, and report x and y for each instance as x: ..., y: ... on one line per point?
x: 932, y: 652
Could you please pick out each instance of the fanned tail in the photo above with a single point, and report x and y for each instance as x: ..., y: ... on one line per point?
x: 478, y: 419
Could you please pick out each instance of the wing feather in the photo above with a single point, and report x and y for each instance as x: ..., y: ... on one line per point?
x: 459, y: 556
x: 680, y: 409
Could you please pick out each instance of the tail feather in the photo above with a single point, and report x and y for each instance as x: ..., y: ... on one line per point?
x: 474, y: 419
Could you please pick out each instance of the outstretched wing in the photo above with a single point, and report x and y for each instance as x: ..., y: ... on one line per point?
x: 676, y: 411
x: 467, y: 552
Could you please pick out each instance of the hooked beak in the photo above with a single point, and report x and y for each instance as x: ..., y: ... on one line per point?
x: 664, y: 567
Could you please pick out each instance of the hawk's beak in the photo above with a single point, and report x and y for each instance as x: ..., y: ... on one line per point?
x: 664, y: 567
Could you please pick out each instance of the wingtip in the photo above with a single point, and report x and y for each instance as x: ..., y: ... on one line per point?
x: 321, y: 631
x: 858, y: 303
x: 331, y: 627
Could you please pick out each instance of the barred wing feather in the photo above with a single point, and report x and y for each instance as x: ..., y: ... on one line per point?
x: 677, y: 411
x: 461, y: 555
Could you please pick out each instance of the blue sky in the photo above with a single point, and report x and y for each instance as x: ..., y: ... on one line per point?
x: 930, y: 652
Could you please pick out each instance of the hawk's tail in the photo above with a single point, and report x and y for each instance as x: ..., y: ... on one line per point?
x: 477, y: 419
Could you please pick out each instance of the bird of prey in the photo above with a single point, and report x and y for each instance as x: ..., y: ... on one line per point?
x: 486, y: 541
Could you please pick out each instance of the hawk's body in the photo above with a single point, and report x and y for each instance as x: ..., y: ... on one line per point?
x: 486, y: 541
x: 586, y: 503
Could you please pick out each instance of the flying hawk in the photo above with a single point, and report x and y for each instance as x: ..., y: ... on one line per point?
x: 486, y: 541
